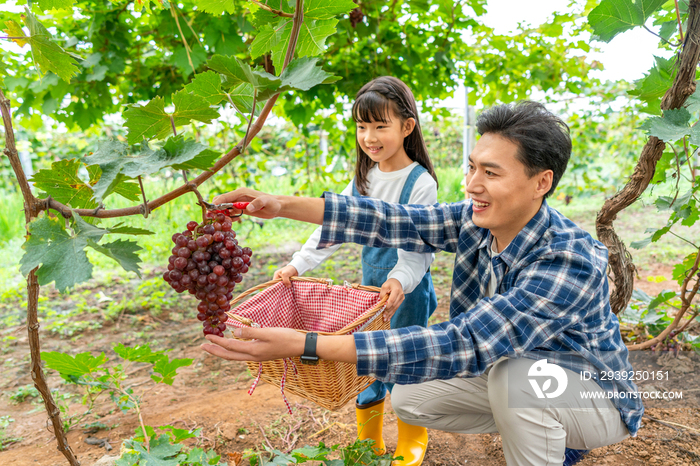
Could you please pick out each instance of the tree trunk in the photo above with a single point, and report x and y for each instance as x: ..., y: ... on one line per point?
x: 622, y: 268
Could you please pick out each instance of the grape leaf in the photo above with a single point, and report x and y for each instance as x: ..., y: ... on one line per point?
x: 121, y: 184
x: 124, y: 252
x: 231, y: 67
x: 262, y: 17
x: 653, y: 86
x: 190, y: 107
x: 60, y: 254
x: 114, y: 159
x: 160, y: 453
x: 193, y: 154
x: 301, y: 74
x: 151, y: 120
x: 208, y: 86
x: 168, y: 369
x: 611, y: 17
x: 217, y: 7
x: 139, y: 353
x: 313, y: 35
x: 147, y: 121
x: 65, y: 364
x: 671, y: 127
x: 57, y: 4
x: 128, y: 230
x: 680, y: 271
x: 60, y: 257
x: 13, y: 29
x: 242, y: 98
x: 48, y: 56
x: 63, y: 184
x: 237, y: 72
x: 268, y: 37
x: 323, y: 9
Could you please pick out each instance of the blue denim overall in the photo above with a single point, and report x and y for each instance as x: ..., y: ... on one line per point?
x: 417, y: 305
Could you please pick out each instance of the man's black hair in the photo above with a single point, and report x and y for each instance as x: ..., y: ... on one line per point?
x: 542, y: 138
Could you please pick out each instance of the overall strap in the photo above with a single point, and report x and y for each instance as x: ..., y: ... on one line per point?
x: 355, y: 192
x: 417, y: 171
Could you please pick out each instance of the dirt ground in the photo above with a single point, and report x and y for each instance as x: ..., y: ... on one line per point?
x: 212, y: 394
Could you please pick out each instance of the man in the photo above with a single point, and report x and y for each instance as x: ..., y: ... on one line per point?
x: 529, y: 299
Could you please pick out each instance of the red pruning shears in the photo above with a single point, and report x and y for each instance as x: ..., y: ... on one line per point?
x: 224, y: 208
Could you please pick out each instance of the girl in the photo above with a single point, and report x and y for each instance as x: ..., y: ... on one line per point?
x: 392, y: 165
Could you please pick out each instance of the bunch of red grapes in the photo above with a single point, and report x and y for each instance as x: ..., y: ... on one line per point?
x: 208, y: 262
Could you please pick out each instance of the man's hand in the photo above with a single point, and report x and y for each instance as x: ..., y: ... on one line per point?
x: 266, y: 344
x: 393, y: 288
x: 285, y: 273
x: 261, y: 205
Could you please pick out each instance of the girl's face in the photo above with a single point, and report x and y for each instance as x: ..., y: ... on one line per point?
x: 383, y: 142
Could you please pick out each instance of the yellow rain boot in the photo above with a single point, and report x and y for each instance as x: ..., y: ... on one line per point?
x: 412, y: 444
x: 370, y: 421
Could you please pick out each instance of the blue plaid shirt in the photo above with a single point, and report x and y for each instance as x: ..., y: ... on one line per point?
x: 552, y: 296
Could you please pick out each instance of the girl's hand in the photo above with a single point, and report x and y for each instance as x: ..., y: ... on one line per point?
x: 285, y: 273
x: 261, y: 205
x: 265, y: 344
x: 393, y: 288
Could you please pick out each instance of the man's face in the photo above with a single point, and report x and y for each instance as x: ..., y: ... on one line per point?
x: 504, y: 197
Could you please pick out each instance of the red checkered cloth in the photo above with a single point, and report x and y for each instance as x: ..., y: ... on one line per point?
x: 309, y: 306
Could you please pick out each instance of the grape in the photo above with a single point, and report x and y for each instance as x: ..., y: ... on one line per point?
x: 207, y: 261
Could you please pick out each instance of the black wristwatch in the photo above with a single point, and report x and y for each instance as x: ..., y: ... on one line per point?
x: 309, y: 356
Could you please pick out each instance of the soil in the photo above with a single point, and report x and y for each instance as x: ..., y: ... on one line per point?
x: 212, y: 394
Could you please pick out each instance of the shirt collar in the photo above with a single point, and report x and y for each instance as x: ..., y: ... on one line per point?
x: 525, y: 239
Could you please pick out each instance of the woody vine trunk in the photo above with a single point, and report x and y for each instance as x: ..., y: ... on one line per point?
x: 34, y: 206
x: 622, y: 269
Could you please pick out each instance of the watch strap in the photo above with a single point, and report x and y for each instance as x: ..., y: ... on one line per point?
x: 310, y: 356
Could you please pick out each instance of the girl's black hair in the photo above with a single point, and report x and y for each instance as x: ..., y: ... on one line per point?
x: 374, y: 102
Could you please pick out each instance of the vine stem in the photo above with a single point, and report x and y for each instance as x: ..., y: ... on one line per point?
x: 173, y: 12
x: 622, y: 268
x: 32, y: 208
x: 271, y: 10
x: 686, y: 299
x: 678, y: 17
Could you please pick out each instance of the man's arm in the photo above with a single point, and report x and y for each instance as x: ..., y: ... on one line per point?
x: 413, y: 228
x: 262, y: 205
x: 266, y: 344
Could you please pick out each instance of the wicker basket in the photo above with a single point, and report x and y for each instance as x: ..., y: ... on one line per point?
x: 329, y: 384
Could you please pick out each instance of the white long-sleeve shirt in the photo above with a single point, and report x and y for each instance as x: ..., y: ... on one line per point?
x: 387, y: 186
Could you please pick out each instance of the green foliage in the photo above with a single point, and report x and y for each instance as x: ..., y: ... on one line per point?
x: 612, y: 17
x: 92, y: 374
x: 359, y: 452
x: 114, y: 159
x: 60, y: 253
x: 5, y: 439
x: 24, y: 392
x: 166, y: 450
x: 151, y: 120
x: 47, y: 55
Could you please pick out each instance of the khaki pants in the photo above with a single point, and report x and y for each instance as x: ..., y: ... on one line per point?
x: 531, y: 436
